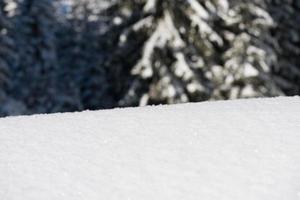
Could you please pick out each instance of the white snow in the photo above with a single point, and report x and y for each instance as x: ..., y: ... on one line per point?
x: 244, y: 149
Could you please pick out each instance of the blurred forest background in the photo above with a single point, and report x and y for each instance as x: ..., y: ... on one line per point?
x: 73, y: 55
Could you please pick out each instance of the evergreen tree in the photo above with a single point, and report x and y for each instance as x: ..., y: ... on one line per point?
x: 180, y: 51
x: 36, y: 73
x: 5, y: 48
x: 285, y: 37
x: 81, y: 55
x: 69, y: 55
x: 8, y: 59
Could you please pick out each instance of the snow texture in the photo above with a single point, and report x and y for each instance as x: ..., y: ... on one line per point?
x: 244, y: 149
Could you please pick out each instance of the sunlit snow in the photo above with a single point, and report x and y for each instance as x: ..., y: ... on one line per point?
x: 244, y: 149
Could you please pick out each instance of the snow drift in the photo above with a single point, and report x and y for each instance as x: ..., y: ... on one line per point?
x: 244, y: 149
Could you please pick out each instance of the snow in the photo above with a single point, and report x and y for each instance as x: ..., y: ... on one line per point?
x: 243, y: 149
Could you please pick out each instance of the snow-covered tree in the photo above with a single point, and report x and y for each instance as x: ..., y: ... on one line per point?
x: 191, y: 50
x: 68, y: 55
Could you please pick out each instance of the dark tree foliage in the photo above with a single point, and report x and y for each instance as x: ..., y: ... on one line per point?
x: 36, y: 74
x: 81, y: 54
x: 6, y: 45
x: 8, y: 61
x: 286, y: 42
x: 72, y: 55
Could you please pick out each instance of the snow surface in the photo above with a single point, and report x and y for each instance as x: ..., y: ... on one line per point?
x: 245, y: 149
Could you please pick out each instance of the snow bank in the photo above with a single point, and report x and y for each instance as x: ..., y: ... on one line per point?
x: 245, y: 149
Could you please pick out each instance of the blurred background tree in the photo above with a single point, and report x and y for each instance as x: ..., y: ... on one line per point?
x: 72, y: 55
x: 81, y: 54
x: 195, y: 50
x: 285, y: 39
x: 35, y: 33
x: 8, y: 60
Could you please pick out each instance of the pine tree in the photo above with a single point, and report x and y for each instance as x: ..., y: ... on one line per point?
x: 94, y: 54
x: 180, y: 51
x: 5, y: 50
x: 285, y: 38
x: 5, y: 47
x: 80, y: 52
x: 36, y: 73
x: 8, y: 60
